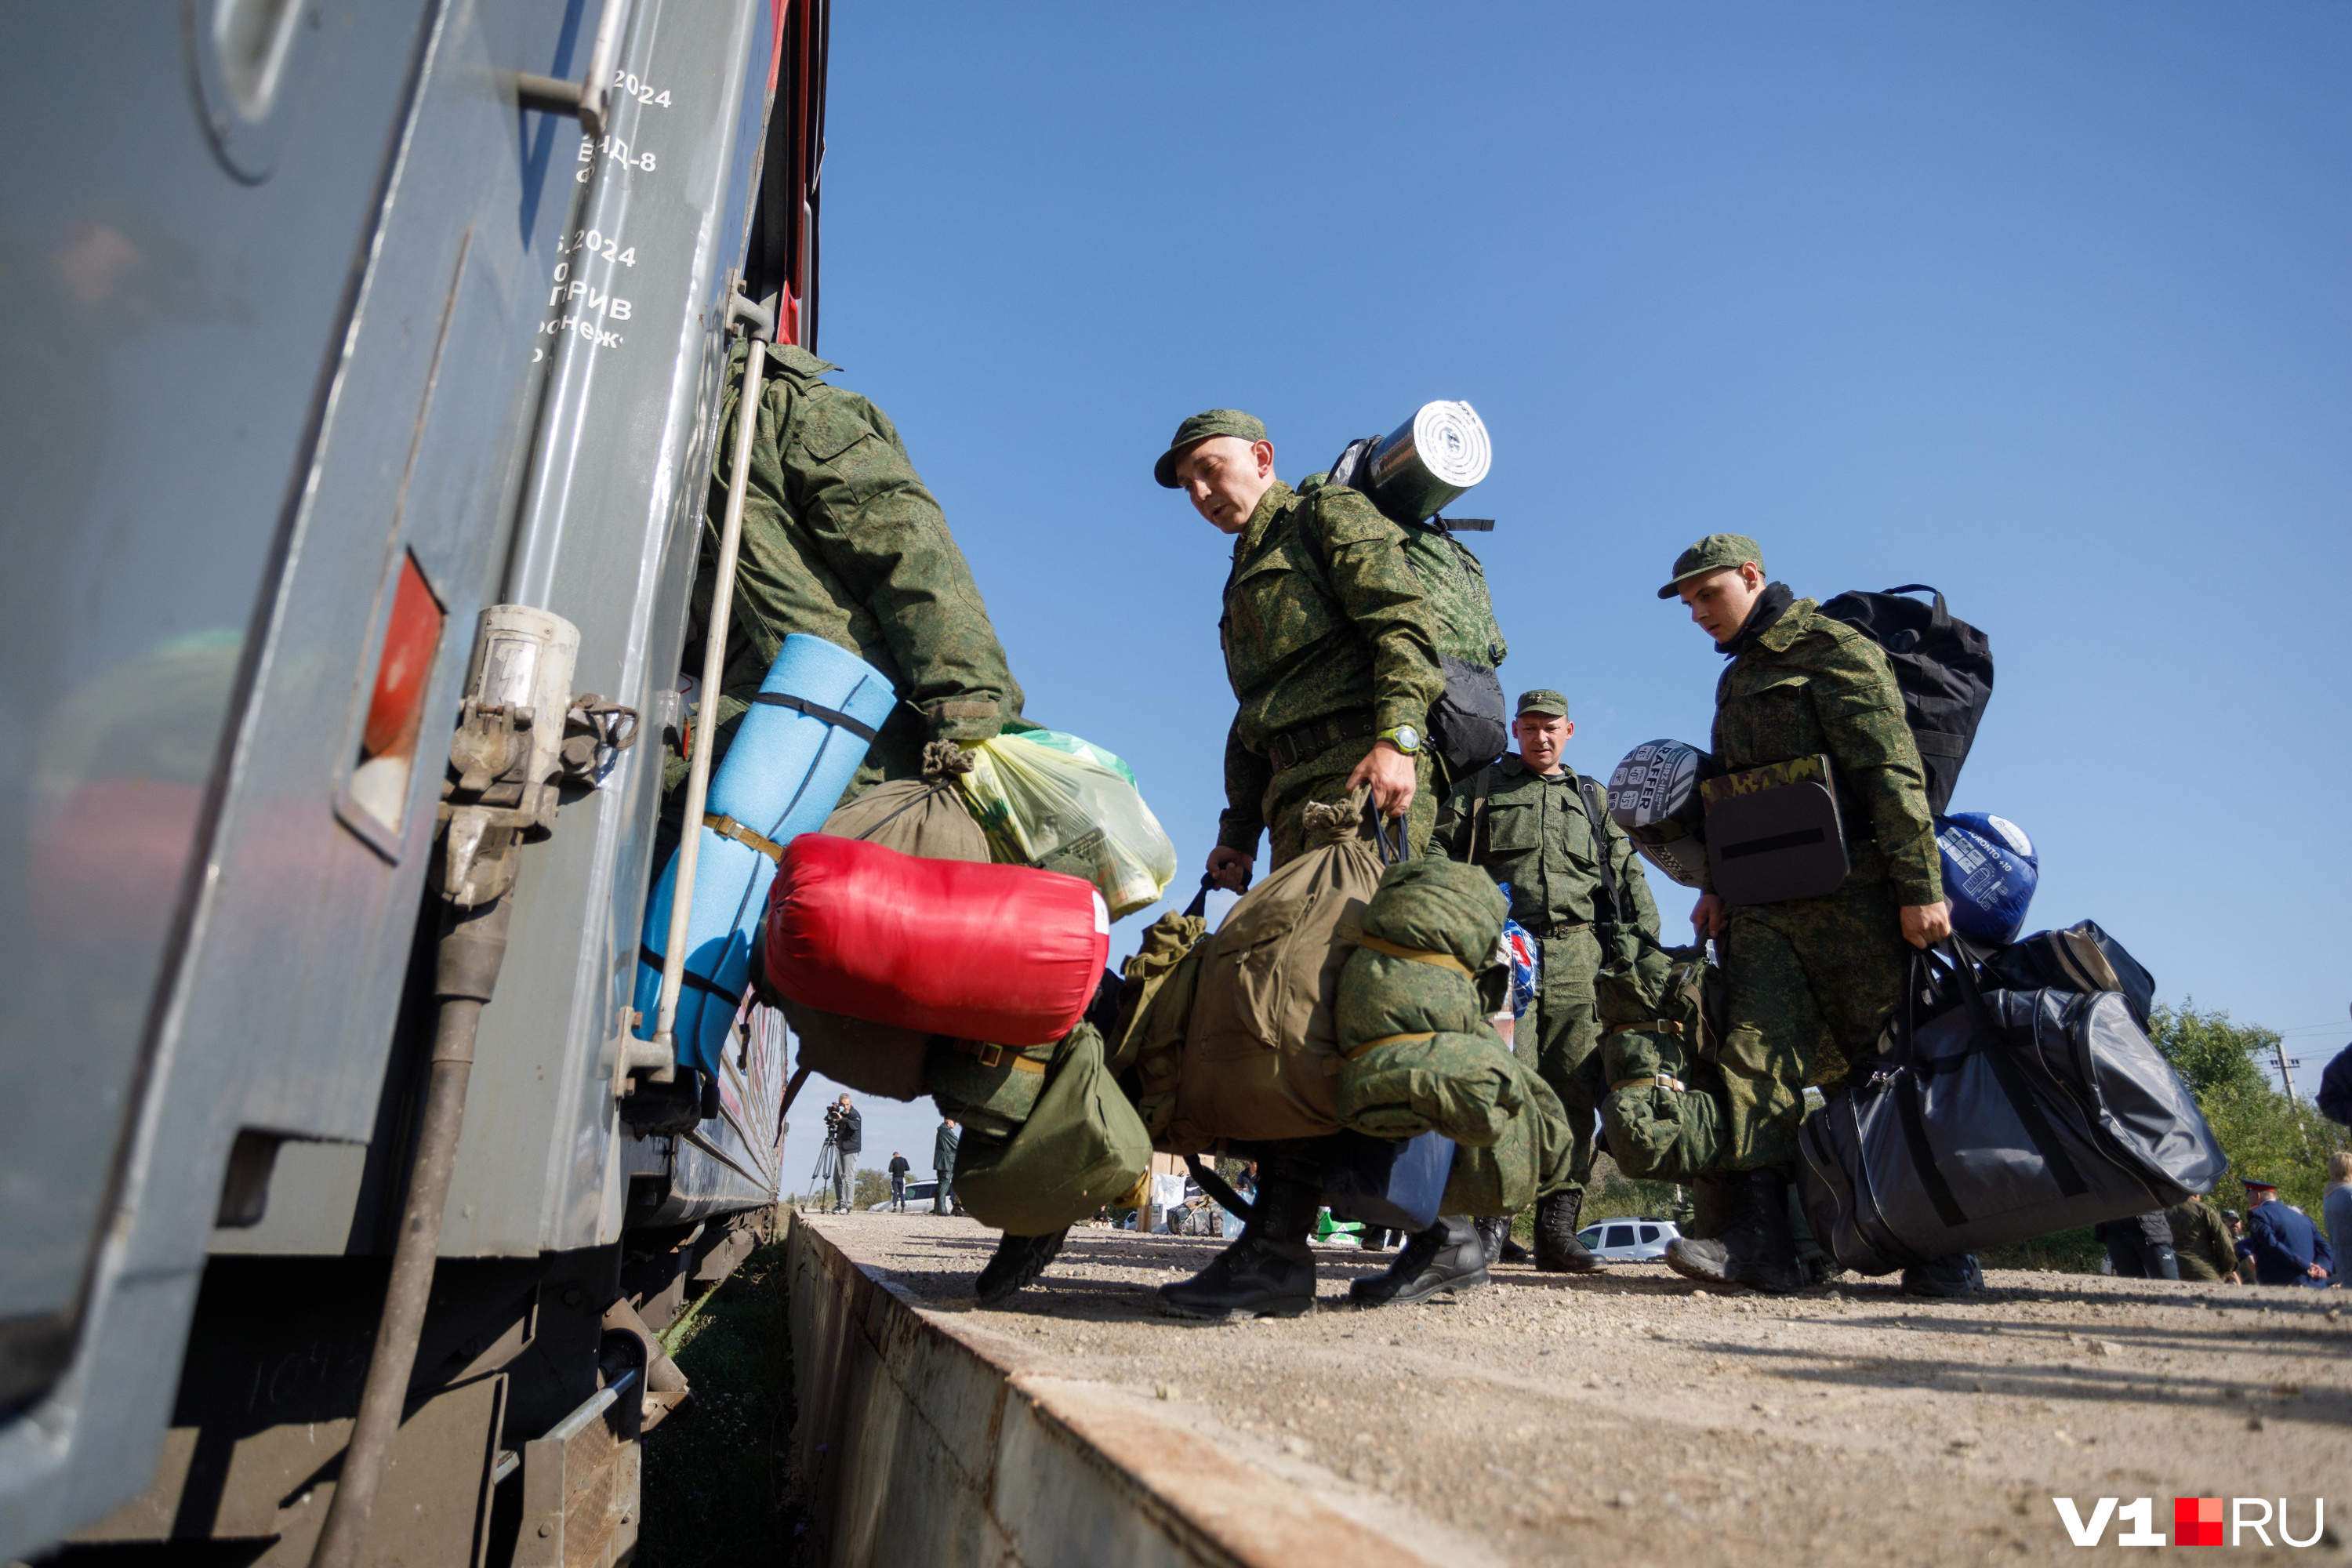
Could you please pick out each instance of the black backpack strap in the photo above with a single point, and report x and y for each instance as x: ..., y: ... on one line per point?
x: 1215, y: 1185
x: 1596, y: 811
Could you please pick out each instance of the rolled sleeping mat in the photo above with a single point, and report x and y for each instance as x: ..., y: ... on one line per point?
x: 1989, y: 874
x: 795, y: 752
x: 1418, y: 469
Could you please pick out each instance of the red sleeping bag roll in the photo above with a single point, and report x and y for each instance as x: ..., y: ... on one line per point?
x: 1008, y: 955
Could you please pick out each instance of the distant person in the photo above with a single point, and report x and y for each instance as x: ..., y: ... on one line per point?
x: 2287, y: 1248
x: 2336, y: 1210
x: 898, y: 1169
x: 846, y: 1129
x: 2139, y: 1247
x: 2336, y: 1089
x: 2203, y: 1242
x: 943, y: 1158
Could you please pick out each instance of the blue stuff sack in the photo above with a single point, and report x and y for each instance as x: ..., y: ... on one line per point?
x: 1989, y: 874
x: 1527, y: 961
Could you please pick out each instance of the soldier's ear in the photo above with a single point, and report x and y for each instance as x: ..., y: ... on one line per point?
x: 1263, y: 452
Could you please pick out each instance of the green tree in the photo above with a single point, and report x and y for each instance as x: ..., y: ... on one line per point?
x: 2261, y: 1131
x: 871, y: 1188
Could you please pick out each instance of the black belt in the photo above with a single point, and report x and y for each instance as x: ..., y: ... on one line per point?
x: 1555, y: 929
x: 1293, y: 747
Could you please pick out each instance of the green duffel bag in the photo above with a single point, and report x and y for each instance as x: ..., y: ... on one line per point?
x: 991, y: 1089
x: 1082, y: 1146
x: 1664, y: 1110
x: 1534, y: 1158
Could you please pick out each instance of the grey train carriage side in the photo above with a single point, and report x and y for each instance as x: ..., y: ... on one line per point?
x: 363, y: 363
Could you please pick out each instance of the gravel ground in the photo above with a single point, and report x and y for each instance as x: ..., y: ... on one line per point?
x: 1633, y: 1416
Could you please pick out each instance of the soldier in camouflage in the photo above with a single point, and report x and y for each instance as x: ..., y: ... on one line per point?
x: 842, y: 540
x: 1527, y: 819
x: 1331, y: 651
x: 1810, y: 981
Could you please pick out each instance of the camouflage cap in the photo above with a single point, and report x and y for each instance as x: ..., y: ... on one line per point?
x: 1544, y: 700
x: 1713, y: 554
x: 1199, y: 427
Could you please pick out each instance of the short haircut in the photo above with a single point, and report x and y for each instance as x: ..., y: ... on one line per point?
x: 2339, y: 1165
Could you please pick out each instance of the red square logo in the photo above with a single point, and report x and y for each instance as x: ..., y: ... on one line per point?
x: 2197, y: 1521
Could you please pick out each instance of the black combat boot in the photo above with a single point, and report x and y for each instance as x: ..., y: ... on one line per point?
x: 1558, y: 1251
x: 1950, y: 1279
x: 1018, y: 1260
x: 1753, y: 1247
x: 1494, y: 1232
x: 1270, y: 1271
x: 1449, y: 1255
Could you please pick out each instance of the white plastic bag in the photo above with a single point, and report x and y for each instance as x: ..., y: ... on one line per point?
x: 1046, y: 798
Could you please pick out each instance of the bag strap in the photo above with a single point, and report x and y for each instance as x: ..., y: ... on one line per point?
x: 1215, y: 1185
x: 1482, y: 790
x: 1199, y: 908
x: 1943, y: 617
x: 1358, y: 936
x: 1598, y: 815
x: 818, y: 711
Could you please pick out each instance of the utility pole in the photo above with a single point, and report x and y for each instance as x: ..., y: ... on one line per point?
x: 2285, y: 1077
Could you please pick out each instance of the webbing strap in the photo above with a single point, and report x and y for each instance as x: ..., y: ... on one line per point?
x: 1394, y: 950
x: 1648, y: 1027
x: 818, y: 711
x: 1655, y: 1080
x: 1352, y: 1052
x: 728, y: 827
x: 990, y: 1056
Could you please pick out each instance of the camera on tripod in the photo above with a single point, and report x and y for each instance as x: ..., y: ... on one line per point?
x: 834, y: 1121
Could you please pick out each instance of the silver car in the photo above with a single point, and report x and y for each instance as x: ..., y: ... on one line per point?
x: 1628, y: 1240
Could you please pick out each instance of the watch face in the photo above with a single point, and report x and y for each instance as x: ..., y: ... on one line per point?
x: 1408, y: 739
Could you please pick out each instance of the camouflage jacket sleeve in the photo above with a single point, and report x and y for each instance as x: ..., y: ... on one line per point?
x: 877, y: 528
x: 1452, y: 836
x: 1376, y: 586
x: 1247, y: 774
x: 1860, y: 709
x: 1630, y: 881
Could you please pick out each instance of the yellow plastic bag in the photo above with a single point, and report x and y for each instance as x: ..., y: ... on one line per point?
x: 1048, y: 799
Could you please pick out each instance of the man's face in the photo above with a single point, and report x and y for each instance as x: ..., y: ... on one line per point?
x: 1226, y: 477
x: 1542, y: 738
x: 1719, y: 602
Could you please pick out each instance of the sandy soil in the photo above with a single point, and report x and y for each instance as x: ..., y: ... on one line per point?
x: 1633, y: 1417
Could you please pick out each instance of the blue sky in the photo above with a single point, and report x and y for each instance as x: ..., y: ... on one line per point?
x: 2048, y: 305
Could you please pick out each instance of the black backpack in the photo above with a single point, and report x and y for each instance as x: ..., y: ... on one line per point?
x: 1944, y: 666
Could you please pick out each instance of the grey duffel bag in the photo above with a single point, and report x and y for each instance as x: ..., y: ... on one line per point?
x: 2011, y: 1115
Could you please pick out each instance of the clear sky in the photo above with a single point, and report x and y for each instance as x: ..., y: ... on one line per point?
x: 2049, y: 305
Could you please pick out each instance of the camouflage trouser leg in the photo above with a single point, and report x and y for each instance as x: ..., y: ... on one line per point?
x: 1565, y: 1032
x: 1325, y: 777
x: 1810, y: 983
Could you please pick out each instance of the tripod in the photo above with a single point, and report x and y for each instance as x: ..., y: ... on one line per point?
x: 828, y: 1165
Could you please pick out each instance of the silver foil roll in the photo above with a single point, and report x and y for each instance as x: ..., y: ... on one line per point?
x: 1419, y: 468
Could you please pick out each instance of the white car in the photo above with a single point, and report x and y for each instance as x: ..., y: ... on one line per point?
x: 1628, y: 1240
x: 919, y: 1194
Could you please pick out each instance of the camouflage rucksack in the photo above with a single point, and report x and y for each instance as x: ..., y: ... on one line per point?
x: 1467, y: 728
x: 1662, y: 1015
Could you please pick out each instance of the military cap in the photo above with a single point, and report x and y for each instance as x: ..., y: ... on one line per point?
x: 1549, y: 703
x: 1713, y: 554
x: 2255, y: 1184
x: 1199, y: 427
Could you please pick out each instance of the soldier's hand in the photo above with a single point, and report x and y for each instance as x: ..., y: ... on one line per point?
x: 1706, y: 916
x: 1925, y: 925
x: 1230, y: 868
x: 1391, y: 776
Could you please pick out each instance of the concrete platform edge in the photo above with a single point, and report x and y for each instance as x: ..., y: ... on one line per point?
x: 921, y: 1437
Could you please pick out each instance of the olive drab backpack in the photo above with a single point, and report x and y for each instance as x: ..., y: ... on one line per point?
x: 1944, y: 666
x: 1467, y: 726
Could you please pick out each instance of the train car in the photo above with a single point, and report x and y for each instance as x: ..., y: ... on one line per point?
x: 363, y: 362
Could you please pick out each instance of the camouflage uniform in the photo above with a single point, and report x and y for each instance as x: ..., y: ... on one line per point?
x: 1538, y: 837
x: 1329, y: 646
x: 841, y: 540
x: 2200, y: 1240
x: 1811, y: 982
